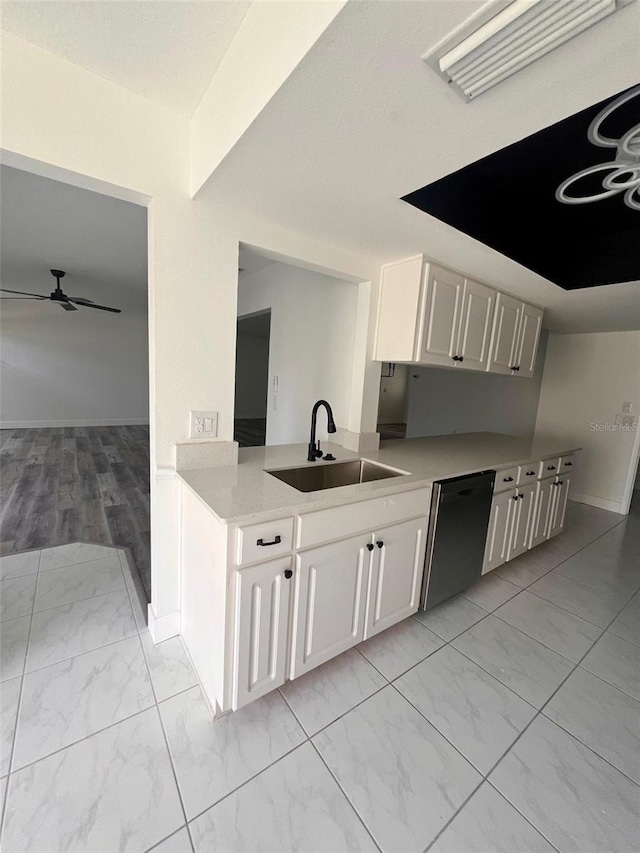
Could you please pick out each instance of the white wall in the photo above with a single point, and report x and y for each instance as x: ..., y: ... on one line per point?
x: 392, y: 406
x: 107, y: 139
x: 252, y: 376
x: 448, y: 401
x: 73, y: 369
x: 313, y: 323
x: 586, y: 379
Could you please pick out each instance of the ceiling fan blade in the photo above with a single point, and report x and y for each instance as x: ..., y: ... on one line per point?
x: 67, y: 306
x: 37, y: 298
x: 101, y: 308
x: 80, y: 300
x: 22, y: 293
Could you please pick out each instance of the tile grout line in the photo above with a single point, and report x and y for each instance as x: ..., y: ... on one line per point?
x: 535, y: 716
x: 159, y: 715
x: 18, y: 707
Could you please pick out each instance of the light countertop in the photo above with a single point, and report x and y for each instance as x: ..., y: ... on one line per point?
x: 246, y: 493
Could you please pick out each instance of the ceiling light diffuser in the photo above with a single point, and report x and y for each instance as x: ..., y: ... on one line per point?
x: 479, y: 57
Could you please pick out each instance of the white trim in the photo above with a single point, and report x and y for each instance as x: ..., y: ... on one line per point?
x: 163, y: 627
x: 601, y: 503
x: 632, y: 474
x: 75, y: 423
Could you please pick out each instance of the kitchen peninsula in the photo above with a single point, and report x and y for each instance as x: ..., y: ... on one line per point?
x: 276, y: 581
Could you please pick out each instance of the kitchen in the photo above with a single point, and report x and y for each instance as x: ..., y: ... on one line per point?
x: 291, y: 692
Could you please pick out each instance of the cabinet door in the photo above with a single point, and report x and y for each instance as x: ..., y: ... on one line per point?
x: 540, y: 525
x: 528, y: 339
x: 499, y: 533
x: 559, y: 507
x: 329, y: 601
x: 441, y: 319
x: 522, y: 520
x: 396, y: 574
x: 474, y: 339
x: 261, y: 629
x: 505, y: 334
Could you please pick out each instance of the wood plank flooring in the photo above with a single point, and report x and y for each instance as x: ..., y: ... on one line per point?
x: 76, y: 484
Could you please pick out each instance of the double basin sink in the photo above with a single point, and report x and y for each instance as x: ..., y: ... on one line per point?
x: 316, y: 478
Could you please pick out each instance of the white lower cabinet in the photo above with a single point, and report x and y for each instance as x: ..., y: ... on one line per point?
x: 396, y: 573
x: 262, y: 626
x: 540, y: 523
x: 350, y: 590
x: 522, y: 519
x: 559, y: 505
x: 499, y: 532
x: 330, y: 600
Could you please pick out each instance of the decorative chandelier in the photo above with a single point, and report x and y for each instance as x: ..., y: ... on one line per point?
x: 623, y: 173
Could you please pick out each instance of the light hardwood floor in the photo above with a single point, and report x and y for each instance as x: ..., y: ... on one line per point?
x: 76, y: 484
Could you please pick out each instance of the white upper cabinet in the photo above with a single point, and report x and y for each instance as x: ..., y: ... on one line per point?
x: 438, y: 336
x: 435, y: 316
x: 476, y: 319
x: 504, y: 347
x: 528, y: 339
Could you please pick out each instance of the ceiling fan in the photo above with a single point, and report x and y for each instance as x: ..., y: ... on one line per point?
x: 67, y: 302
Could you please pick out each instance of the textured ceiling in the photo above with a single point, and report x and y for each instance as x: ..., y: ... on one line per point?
x: 165, y: 50
x: 100, y: 242
x: 363, y: 121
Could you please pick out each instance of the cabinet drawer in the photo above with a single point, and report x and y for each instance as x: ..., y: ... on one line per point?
x: 506, y: 479
x: 338, y: 522
x: 263, y: 541
x: 549, y: 467
x: 567, y: 463
x: 528, y: 473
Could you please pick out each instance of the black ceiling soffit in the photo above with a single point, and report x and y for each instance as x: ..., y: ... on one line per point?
x: 507, y: 201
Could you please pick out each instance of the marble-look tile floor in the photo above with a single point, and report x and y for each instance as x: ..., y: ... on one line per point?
x: 504, y: 721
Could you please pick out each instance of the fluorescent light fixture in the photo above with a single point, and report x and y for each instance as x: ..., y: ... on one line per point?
x: 477, y: 58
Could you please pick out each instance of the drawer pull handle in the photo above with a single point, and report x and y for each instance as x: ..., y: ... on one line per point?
x: 369, y: 546
x: 288, y: 573
x: 507, y: 479
x: 264, y: 544
x: 551, y: 467
x: 530, y: 473
x: 568, y: 463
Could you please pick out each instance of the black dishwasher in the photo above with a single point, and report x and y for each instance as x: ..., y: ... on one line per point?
x: 458, y: 523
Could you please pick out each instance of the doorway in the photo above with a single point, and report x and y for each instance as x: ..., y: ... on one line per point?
x: 252, y: 378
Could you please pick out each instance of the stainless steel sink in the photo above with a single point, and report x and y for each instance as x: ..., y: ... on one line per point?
x: 316, y: 477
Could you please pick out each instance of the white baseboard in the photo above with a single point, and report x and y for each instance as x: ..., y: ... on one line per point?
x: 163, y: 627
x: 601, y: 503
x: 97, y: 422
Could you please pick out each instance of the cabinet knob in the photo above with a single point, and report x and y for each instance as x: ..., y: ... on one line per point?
x: 380, y: 544
x: 560, y: 482
x: 288, y: 573
x: 369, y: 546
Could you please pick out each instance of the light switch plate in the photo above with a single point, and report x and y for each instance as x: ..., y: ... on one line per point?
x: 627, y: 421
x: 203, y: 424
